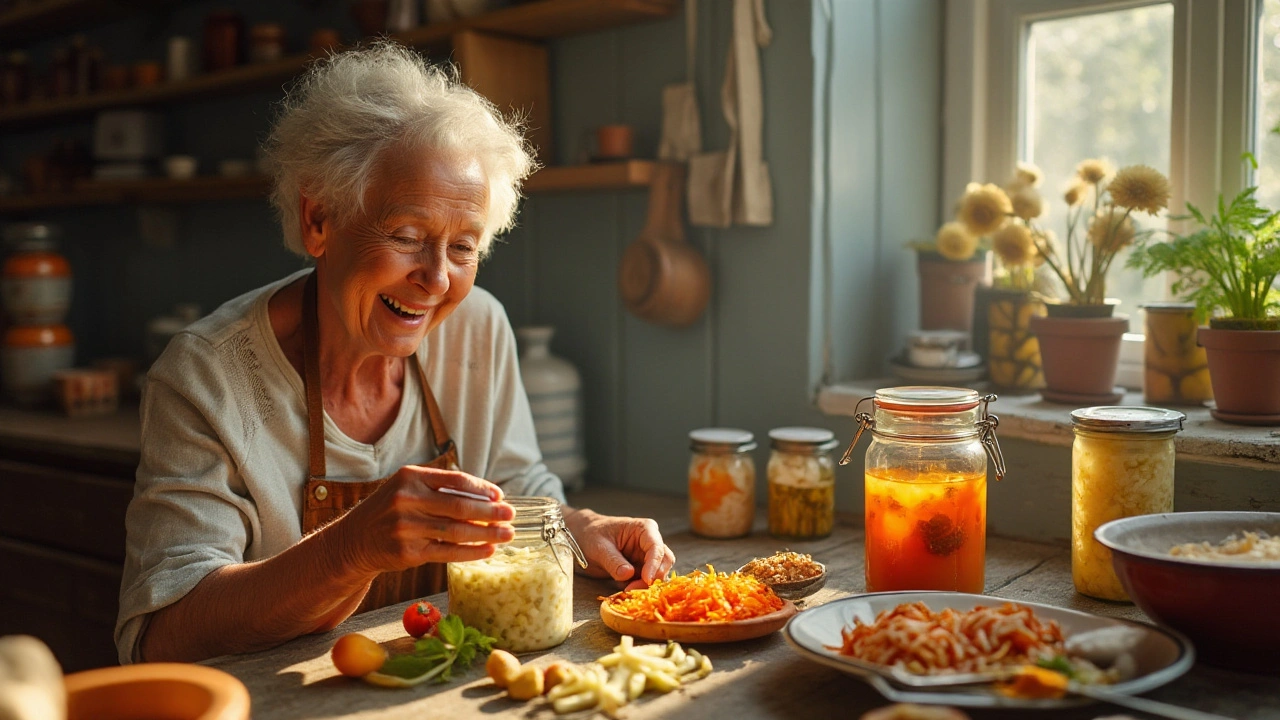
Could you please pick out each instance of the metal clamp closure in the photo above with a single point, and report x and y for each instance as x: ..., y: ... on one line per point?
x: 987, y: 424
x: 865, y: 422
x: 549, y: 531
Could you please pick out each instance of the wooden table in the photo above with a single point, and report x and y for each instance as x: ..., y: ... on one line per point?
x: 760, y: 678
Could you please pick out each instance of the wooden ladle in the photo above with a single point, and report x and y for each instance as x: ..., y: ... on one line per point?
x: 661, y: 278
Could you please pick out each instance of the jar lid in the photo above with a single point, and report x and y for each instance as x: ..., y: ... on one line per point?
x: 926, y: 398
x: 721, y: 440
x: 1127, y: 418
x: 802, y: 439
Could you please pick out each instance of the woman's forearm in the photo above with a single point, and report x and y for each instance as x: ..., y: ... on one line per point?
x: 257, y: 605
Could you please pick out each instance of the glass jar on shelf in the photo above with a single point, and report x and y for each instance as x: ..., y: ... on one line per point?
x: 522, y: 594
x: 926, y: 488
x: 722, y: 482
x: 802, y: 483
x: 1122, y: 463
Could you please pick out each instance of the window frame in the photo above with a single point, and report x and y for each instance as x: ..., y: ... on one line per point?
x: 1214, y: 107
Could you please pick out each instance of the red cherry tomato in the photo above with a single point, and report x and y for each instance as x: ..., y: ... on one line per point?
x: 421, y: 619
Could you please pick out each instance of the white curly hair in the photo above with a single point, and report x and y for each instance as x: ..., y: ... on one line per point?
x: 337, y: 122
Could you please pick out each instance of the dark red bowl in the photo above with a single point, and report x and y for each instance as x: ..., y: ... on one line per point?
x: 1227, y: 609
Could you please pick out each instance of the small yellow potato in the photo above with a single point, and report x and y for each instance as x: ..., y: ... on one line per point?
x: 502, y: 667
x: 558, y: 672
x: 527, y: 685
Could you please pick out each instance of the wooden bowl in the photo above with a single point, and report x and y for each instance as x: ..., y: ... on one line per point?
x: 1226, y: 608
x: 698, y: 632
x: 157, y: 691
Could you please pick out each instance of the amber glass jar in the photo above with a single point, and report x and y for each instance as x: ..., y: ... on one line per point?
x: 1121, y: 465
x: 802, y: 483
x: 926, y: 488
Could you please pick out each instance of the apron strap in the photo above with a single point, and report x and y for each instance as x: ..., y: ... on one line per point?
x: 311, y: 377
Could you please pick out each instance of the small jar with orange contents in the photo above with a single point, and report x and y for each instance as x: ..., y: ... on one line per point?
x: 722, y: 482
x: 926, y: 488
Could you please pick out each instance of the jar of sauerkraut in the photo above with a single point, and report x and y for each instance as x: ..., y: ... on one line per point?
x: 722, y: 482
x: 1121, y: 465
x: 522, y: 594
x: 802, y: 483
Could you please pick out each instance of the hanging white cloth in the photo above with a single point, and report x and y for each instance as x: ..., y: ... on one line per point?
x: 681, y: 123
x: 733, y: 185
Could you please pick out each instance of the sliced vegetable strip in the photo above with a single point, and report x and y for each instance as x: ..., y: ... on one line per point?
x: 697, y: 597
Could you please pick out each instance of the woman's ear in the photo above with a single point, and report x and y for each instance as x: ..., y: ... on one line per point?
x: 316, y: 226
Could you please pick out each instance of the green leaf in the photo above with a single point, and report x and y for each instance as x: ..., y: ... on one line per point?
x: 451, y: 630
x: 430, y: 646
x: 407, y: 666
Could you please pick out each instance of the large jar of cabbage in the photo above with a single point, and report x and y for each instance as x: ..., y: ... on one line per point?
x: 1121, y: 465
x: 802, y: 483
x: 522, y: 594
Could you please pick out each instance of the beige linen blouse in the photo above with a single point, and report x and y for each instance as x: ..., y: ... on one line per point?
x: 224, y: 443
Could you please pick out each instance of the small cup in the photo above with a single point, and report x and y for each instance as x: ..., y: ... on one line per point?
x: 234, y: 168
x: 613, y: 142
x: 180, y: 167
x: 935, y: 348
x: 146, y: 74
x: 180, y: 61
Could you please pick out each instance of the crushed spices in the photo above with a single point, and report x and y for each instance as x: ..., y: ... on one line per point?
x: 783, y: 567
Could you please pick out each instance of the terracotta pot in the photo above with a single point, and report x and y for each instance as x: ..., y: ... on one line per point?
x: 1175, y: 370
x: 1071, y: 310
x: 946, y: 291
x: 1013, y: 358
x: 1244, y: 366
x: 1080, y: 357
x: 177, y: 691
x: 613, y: 142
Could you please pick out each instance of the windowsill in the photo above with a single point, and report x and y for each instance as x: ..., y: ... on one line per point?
x: 1027, y: 417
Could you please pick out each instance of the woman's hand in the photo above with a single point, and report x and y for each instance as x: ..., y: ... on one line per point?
x: 614, y: 545
x: 408, y: 522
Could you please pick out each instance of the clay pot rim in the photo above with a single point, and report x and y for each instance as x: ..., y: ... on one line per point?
x: 933, y: 256
x: 1238, y: 340
x: 1079, y: 327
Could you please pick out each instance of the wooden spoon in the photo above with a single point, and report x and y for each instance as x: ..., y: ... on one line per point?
x: 661, y: 278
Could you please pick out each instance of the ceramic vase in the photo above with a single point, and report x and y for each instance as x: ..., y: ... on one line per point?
x: 1013, y: 353
x: 946, y: 290
x: 555, y: 397
x: 30, y: 356
x: 1175, y: 370
x: 36, y: 282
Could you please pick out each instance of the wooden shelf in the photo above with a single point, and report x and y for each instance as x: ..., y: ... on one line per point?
x: 157, y: 190
x: 597, y: 176
x: 534, y: 20
x: 32, y: 21
x: 601, y: 176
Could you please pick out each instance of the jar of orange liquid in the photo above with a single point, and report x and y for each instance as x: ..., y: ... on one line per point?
x: 926, y: 488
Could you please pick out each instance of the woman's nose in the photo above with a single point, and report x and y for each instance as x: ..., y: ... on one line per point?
x: 432, y: 273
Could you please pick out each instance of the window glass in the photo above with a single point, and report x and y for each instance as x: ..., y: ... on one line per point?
x: 1267, y: 143
x: 1101, y: 85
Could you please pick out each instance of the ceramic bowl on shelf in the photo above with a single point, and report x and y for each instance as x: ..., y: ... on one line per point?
x: 180, y: 167
x: 174, y: 691
x: 1220, y: 605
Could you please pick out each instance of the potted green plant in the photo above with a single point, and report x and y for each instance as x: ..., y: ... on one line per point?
x: 1080, y: 337
x: 1228, y: 267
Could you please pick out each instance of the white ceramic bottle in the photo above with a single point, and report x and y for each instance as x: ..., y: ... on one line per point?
x: 555, y: 396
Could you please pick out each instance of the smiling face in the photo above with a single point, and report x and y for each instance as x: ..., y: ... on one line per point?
x: 397, y: 269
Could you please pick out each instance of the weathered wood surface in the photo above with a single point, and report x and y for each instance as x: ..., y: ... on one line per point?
x: 760, y: 678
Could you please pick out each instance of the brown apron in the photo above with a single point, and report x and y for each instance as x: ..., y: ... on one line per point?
x: 324, y: 500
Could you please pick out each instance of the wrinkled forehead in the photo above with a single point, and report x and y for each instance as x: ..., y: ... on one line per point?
x: 430, y: 178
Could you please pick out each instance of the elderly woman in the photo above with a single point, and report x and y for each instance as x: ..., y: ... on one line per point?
x: 302, y: 446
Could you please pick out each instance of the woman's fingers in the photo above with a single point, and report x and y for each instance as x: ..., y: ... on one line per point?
x: 454, y: 480
x: 458, y: 532
x: 658, y: 558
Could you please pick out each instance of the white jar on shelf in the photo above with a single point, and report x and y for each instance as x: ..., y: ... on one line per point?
x: 555, y: 396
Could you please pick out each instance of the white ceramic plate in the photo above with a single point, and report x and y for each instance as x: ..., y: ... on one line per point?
x: 1161, y: 655
x: 910, y: 373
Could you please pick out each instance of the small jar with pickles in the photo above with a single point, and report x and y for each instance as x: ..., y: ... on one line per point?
x: 802, y: 483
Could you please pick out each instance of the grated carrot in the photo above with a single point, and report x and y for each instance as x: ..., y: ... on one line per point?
x: 697, y: 597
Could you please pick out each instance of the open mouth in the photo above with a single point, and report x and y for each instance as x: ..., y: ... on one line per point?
x: 402, y: 311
